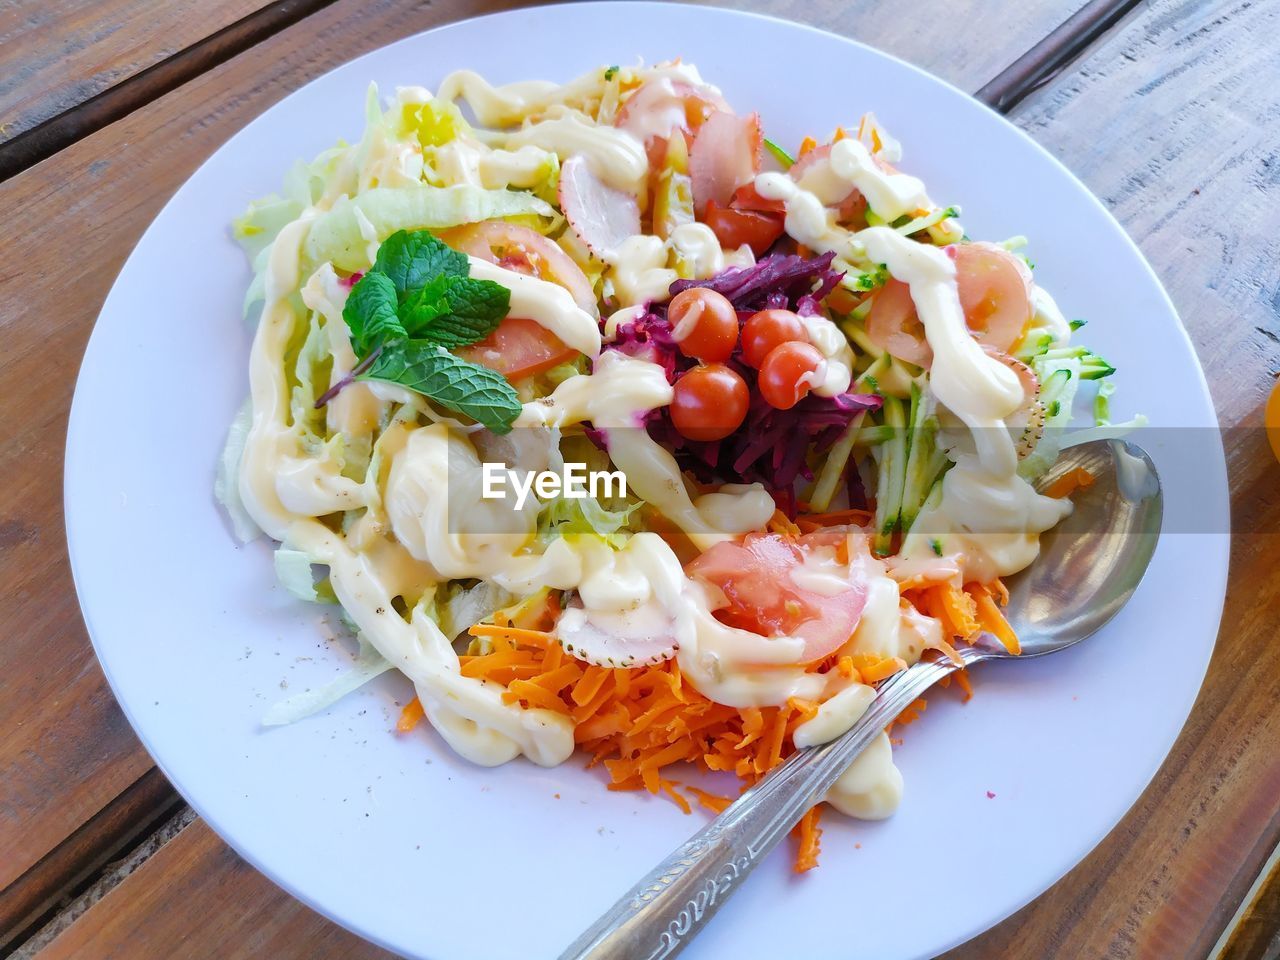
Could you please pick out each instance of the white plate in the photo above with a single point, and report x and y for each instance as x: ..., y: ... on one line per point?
x: 407, y: 845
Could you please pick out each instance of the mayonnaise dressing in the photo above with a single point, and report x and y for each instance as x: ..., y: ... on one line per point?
x: 639, y: 272
x: 835, y: 374
x: 548, y: 304
x: 613, y: 155
x: 468, y: 713
x: 464, y: 160
x: 280, y: 481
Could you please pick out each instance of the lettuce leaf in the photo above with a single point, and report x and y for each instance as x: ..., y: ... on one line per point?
x: 226, y: 485
x: 368, y: 665
x: 344, y: 234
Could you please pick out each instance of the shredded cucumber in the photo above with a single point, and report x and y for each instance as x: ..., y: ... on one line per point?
x: 891, y: 456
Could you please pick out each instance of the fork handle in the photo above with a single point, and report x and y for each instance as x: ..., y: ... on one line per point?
x: 658, y: 917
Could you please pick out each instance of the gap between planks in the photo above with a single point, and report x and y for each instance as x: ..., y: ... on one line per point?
x: 45, y: 139
x: 1035, y: 69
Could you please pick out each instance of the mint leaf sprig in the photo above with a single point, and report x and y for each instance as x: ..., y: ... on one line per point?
x: 416, y: 303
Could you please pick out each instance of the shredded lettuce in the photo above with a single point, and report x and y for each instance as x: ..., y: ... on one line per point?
x: 226, y: 486
x: 368, y: 665
x: 294, y: 571
x: 563, y: 516
x: 458, y: 608
x: 344, y: 233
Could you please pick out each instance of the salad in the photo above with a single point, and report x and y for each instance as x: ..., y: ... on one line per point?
x: 824, y: 404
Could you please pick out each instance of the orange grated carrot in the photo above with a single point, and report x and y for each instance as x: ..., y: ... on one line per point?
x: 1077, y: 478
x: 810, y: 835
x: 639, y: 723
x: 806, y: 145
x: 410, y: 716
x: 669, y: 788
x: 781, y: 523
x: 912, y: 713
x: 534, y: 695
x: 712, y: 801
x: 874, y: 668
x: 992, y: 619
x: 533, y: 638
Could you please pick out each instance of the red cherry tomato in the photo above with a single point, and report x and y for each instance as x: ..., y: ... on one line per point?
x: 519, y: 348
x: 747, y: 197
x: 768, y: 329
x: 710, y: 402
x: 786, y: 371
x: 704, y: 324
x: 734, y: 227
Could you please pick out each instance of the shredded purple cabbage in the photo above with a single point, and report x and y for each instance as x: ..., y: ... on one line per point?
x: 774, y: 278
x: 772, y: 445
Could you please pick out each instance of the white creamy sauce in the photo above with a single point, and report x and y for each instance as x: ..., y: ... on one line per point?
x: 613, y: 155
x: 550, y: 305
x: 640, y: 268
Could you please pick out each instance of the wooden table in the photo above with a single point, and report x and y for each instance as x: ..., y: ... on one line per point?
x: 1169, y: 110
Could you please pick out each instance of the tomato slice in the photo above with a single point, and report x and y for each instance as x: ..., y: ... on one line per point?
x: 734, y: 227
x: 758, y: 578
x: 519, y: 348
x: 747, y: 197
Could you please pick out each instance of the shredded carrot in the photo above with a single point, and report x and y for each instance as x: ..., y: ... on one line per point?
x: 874, y: 669
x: 1077, y: 478
x: 712, y: 801
x: 806, y: 145
x: 912, y: 713
x: 536, y: 638
x: 781, y: 523
x: 840, y: 134
x: 410, y: 716
x: 669, y: 788
x: 992, y: 619
x: 810, y: 835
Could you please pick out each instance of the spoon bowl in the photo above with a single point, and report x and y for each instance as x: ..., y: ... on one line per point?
x: 1091, y: 563
x: 1087, y: 569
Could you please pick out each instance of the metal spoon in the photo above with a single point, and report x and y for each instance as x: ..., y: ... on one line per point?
x: 1087, y: 570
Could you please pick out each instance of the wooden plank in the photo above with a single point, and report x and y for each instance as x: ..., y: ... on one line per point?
x: 195, y: 898
x: 1254, y: 932
x: 65, y: 750
x: 47, y: 138
x: 1171, y: 121
x: 56, y: 54
x: 118, y: 826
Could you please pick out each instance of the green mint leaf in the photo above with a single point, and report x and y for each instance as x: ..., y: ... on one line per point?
x: 474, y: 310
x: 371, y: 314
x: 412, y: 259
x: 418, y: 308
x: 459, y: 385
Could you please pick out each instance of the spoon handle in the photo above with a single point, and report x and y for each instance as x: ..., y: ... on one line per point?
x: 664, y: 911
